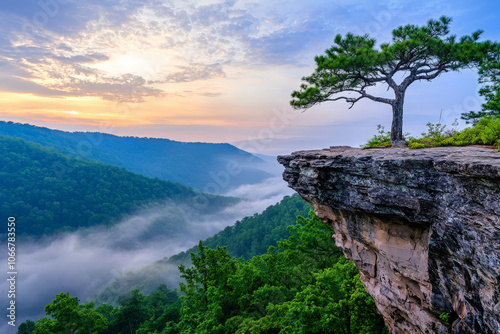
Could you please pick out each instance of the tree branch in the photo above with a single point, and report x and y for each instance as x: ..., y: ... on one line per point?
x: 390, y: 81
x: 378, y: 99
x: 429, y: 70
x: 431, y: 76
x: 363, y: 94
x: 347, y: 99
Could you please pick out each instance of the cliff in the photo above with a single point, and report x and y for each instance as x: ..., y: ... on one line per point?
x: 422, y: 226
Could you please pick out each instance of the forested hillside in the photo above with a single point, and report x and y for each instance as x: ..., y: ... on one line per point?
x: 307, y: 286
x: 207, y: 167
x: 247, y: 238
x: 49, y: 192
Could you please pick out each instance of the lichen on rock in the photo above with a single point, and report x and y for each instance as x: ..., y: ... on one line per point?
x: 422, y: 226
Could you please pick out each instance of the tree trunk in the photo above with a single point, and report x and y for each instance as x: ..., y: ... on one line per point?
x: 397, y: 120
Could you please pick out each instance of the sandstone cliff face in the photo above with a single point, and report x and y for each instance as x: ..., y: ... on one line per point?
x: 422, y: 226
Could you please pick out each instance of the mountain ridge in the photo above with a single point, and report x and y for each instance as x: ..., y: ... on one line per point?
x: 51, y: 192
x: 208, y: 167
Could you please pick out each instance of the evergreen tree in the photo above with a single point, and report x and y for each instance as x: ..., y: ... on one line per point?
x: 305, y: 286
x: 130, y: 314
x: 354, y: 64
x: 208, y: 299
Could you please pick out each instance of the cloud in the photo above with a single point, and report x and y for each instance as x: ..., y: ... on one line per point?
x: 19, y: 85
x: 59, y: 45
x: 211, y: 94
x: 126, y: 88
x: 88, y: 58
x: 35, y: 70
x: 75, y: 46
x: 45, y: 43
x: 195, y: 72
x: 69, y: 65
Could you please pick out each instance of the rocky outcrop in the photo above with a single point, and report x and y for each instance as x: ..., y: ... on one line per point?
x: 422, y: 226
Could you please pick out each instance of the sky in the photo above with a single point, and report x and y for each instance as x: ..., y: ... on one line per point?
x: 213, y: 71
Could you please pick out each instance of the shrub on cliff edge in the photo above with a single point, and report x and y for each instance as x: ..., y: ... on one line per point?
x: 484, y: 132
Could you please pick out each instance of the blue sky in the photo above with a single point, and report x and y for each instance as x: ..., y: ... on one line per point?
x: 214, y: 71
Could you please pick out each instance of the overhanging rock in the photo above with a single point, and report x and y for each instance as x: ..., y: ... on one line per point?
x: 422, y: 226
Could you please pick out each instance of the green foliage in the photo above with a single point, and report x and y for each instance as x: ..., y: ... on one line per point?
x: 141, y: 314
x: 130, y: 314
x: 46, y: 200
x: 253, y: 235
x: 435, y: 136
x: 434, y: 131
x: 26, y: 327
x: 445, y: 316
x: 336, y: 303
x: 485, y: 132
x: 208, y: 301
x: 67, y: 315
x: 157, y: 313
x: 312, y: 239
x: 305, y: 286
x: 190, y: 164
x: 489, y: 74
x: 164, y: 306
x: 383, y: 139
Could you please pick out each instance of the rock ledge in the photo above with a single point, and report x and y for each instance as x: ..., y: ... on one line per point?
x: 422, y: 226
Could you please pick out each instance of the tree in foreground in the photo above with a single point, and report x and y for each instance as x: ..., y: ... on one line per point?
x: 305, y: 286
x: 130, y: 314
x: 489, y: 74
x: 353, y: 65
x: 67, y: 315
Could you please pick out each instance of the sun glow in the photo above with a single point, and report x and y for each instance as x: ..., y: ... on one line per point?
x: 150, y: 66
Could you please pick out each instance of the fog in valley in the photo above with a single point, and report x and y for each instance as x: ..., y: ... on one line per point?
x: 83, y: 262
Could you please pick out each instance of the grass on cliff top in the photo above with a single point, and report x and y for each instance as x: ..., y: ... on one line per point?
x: 485, y: 132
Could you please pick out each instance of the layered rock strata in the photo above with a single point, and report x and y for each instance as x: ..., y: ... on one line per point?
x: 422, y: 226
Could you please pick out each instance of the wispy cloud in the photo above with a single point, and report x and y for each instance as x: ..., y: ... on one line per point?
x: 70, y: 48
x: 195, y: 72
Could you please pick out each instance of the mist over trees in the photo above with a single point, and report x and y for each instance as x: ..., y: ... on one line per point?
x: 247, y: 238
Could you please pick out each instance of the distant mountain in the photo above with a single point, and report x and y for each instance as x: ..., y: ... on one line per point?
x: 49, y: 192
x: 212, y: 168
x: 246, y: 238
